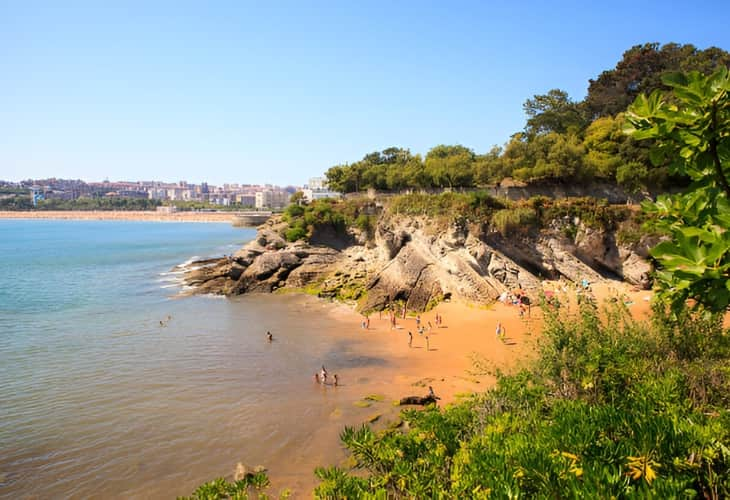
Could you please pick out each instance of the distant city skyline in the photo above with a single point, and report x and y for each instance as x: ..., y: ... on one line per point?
x: 277, y: 93
x: 260, y: 196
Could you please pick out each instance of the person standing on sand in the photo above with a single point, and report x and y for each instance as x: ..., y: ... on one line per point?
x: 323, y: 375
x: 367, y: 322
x: 428, y: 348
x: 334, y: 380
x: 499, y: 331
x: 432, y: 394
x: 316, y: 377
x: 269, y: 337
x: 410, y: 339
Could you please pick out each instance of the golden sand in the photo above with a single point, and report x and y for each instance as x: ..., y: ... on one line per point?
x: 446, y: 361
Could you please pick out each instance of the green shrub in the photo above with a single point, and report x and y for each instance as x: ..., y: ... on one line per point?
x: 293, y: 211
x: 295, y: 233
x: 507, y: 221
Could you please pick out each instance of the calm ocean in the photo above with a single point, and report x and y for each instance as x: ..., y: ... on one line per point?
x: 98, y: 400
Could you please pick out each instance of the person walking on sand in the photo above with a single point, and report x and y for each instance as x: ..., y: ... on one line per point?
x: 499, y: 331
x: 367, y: 322
x: 334, y: 380
x: 410, y: 339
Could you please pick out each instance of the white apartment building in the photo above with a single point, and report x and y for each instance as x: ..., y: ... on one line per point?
x: 271, y: 199
x: 319, y: 194
x: 157, y: 194
x: 317, y: 183
x: 246, y: 199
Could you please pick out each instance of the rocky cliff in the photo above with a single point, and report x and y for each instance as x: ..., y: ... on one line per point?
x: 417, y: 262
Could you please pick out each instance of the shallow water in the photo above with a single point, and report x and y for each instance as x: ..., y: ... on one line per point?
x: 100, y: 400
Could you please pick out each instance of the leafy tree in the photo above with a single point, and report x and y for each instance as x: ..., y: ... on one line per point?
x: 553, y: 112
x: 551, y: 156
x: 691, y: 128
x: 451, y: 166
x: 489, y: 167
x: 640, y: 71
x: 296, y: 198
x: 338, y: 179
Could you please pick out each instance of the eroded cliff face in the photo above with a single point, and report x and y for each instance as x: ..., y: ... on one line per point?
x: 411, y: 260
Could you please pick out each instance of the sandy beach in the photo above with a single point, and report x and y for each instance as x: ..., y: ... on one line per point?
x: 135, y: 215
x: 446, y: 360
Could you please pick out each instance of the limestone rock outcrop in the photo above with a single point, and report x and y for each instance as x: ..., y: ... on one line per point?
x: 411, y: 260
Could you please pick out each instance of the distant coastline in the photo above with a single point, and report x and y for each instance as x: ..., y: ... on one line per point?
x: 131, y: 215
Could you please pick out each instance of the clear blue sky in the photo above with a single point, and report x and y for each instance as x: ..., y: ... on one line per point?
x: 280, y: 91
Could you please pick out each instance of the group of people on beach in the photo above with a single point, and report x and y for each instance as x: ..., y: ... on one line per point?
x: 320, y: 377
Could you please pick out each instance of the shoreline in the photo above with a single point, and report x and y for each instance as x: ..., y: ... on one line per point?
x: 121, y: 215
x: 459, y: 359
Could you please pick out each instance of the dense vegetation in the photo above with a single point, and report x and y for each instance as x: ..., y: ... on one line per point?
x: 327, y: 214
x: 474, y: 207
x: 563, y: 140
x: 691, y: 130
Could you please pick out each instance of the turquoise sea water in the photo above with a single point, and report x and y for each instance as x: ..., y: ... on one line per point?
x: 98, y: 400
